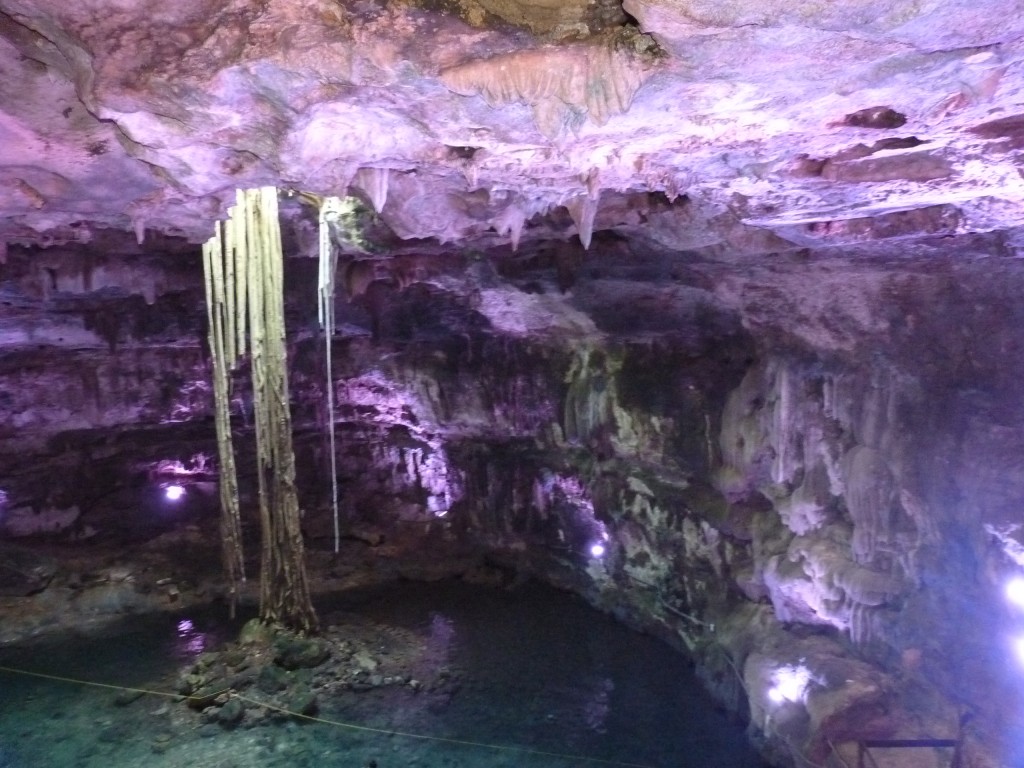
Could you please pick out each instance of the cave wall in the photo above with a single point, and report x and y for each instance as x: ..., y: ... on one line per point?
x: 803, y: 470
x: 883, y: 428
x: 834, y: 497
x: 828, y: 493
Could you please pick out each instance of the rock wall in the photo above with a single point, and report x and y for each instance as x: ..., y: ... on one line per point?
x: 882, y: 434
x: 804, y: 475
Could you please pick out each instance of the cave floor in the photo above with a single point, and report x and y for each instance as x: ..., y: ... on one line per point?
x: 478, y: 676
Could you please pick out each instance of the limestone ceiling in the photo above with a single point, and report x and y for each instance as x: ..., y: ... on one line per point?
x: 745, y: 125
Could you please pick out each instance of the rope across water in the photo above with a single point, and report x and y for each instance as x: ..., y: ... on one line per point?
x: 335, y: 723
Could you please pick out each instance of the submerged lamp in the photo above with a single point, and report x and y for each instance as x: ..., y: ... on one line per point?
x: 597, y: 550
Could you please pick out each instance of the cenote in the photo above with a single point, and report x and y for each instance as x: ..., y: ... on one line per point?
x: 439, y: 674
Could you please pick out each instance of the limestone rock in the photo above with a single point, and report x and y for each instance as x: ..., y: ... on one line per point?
x: 296, y: 652
x: 24, y: 572
x: 272, y: 679
x: 303, y: 702
x: 232, y: 713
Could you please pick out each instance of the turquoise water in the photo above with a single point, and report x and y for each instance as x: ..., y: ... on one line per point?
x: 534, y: 674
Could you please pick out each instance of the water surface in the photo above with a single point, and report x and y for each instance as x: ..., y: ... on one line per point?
x: 531, y: 677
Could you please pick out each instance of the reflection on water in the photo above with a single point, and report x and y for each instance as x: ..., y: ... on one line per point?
x: 542, y: 670
x: 442, y: 632
x: 533, y: 670
x: 598, y: 704
x: 190, y: 642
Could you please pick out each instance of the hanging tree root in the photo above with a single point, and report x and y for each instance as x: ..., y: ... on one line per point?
x: 254, y: 281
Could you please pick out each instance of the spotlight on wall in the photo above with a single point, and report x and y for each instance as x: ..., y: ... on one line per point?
x: 1015, y: 591
x: 174, y: 492
x: 597, y: 550
x: 789, y: 684
x: 1018, y: 649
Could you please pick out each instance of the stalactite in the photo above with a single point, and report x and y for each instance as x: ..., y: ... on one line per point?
x: 374, y: 182
x: 560, y: 82
x: 870, y: 496
x: 582, y: 209
x: 860, y: 624
x: 511, y: 222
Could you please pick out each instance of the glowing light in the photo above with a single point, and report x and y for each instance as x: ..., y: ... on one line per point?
x: 597, y: 550
x: 1015, y: 591
x: 790, y: 684
x: 174, y: 492
x: 1018, y: 648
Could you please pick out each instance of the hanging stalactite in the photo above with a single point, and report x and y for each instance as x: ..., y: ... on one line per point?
x: 252, y: 268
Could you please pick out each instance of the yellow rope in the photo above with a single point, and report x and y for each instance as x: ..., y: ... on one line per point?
x: 60, y: 679
x: 335, y: 723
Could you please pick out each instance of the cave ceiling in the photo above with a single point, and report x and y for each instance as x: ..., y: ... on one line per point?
x: 740, y: 127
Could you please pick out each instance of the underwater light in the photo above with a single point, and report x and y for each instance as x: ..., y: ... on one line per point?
x: 597, y: 550
x: 174, y: 492
x: 1015, y: 591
